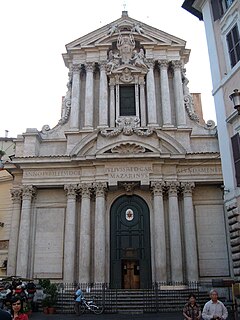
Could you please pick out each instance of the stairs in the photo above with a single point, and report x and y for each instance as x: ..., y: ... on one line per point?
x: 134, y: 301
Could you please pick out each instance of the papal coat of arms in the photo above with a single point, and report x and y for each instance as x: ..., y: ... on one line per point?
x: 129, y: 214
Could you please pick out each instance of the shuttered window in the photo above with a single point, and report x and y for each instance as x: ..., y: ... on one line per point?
x: 233, y: 42
x: 236, y: 156
x: 127, y: 101
x: 219, y: 7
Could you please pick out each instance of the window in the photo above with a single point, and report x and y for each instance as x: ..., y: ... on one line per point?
x: 219, y: 7
x: 236, y: 156
x: 127, y: 101
x: 233, y: 42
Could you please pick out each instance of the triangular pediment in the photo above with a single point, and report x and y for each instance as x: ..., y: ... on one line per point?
x: 106, y: 35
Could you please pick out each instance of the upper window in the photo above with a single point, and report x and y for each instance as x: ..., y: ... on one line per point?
x: 236, y: 156
x: 219, y: 7
x: 127, y: 101
x: 233, y: 42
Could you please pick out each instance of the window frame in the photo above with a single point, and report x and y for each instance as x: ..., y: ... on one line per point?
x: 234, y: 50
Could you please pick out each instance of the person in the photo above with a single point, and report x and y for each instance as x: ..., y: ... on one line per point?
x: 5, y: 315
x: 17, y: 309
x: 214, y: 309
x: 78, y: 300
x: 192, y: 310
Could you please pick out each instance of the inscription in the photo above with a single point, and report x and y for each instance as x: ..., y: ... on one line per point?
x: 52, y: 173
x: 199, y: 170
x: 128, y: 173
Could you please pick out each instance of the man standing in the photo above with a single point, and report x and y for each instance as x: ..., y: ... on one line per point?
x: 5, y: 315
x: 78, y: 300
x: 214, y: 309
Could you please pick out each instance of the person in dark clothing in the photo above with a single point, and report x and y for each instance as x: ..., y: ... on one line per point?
x: 5, y: 315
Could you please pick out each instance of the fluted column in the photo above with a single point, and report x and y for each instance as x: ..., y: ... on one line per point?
x: 112, y: 103
x: 88, y: 119
x: 70, y: 234
x: 103, y: 97
x: 165, y: 94
x: 159, y: 232
x: 178, y: 93
x: 13, y: 239
x: 175, y: 234
x: 24, y: 232
x: 151, y: 97
x: 75, y: 102
x: 85, y: 235
x: 190, y: 232
x: 100, y: 233
x: 142, y: 102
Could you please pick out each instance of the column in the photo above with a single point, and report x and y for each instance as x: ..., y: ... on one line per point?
x: 75, y: 102
x: 137, y: 96
x: 70, y: 235
x: 24, y: 231
x: 165, y: 94
x: 159, y: 232
x: 178, y: 93
x: 88, y: 108
x: 112, y: 103
x: 85, y: 235
x: 151, y: 97
x: 175, y: 234
x: 190, y: 233
x: 13, y: 239
x: 117, y: 97
x: 103, y: 97
x: 142, y: 102
x: 100, y: 233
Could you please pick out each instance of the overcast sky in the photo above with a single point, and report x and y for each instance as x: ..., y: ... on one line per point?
x: 34, y: 33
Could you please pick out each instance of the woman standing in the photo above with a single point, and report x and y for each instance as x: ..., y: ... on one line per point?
x: 192, y: 310
x: 17, y: 309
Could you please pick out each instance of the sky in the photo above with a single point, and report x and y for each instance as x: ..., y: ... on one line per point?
x: 34, y: 33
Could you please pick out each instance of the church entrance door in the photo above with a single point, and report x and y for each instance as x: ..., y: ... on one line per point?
x: 130, y: 248
x: 130, y: 274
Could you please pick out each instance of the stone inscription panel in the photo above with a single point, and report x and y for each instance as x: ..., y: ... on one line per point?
x: 51, y: 173
x: 200, y: 170
x: 128, y: 173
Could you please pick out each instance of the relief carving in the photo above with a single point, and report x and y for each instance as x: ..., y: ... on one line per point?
x: 125, y: 148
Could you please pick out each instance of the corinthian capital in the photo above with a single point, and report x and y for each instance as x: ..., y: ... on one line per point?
x: 71, y: 190
x: 85, y: 189
x: 16, y: 194
x: 103, y: 66
x: 75, y: 68
x: 157, y: 188
x: 163, y: 64
x: 28, y: 192
x: 100, y: 188
x: 187, y: 188
x: 173, y: 187
x: 176, y: 64
x: 89, y: 66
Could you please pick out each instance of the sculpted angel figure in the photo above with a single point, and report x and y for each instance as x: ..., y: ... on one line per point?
x: 113, y: 60
x: 138, y: 28
x: 113, y: 29
x: 138, y: 58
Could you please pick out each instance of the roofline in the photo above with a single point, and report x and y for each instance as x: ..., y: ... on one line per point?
x: 188, y: 5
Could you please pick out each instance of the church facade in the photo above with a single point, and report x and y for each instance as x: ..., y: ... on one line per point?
x: 126, y: 188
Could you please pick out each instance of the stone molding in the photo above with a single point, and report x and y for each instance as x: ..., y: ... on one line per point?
x: 16, y: 194
x: 163, y: 64
x: 100, y: 188
x: 71, y: 190
x: 158, y: 187
x: 28, y: 192
x: 172, y: 188
x: 187, y: 188
x: 85, y: 189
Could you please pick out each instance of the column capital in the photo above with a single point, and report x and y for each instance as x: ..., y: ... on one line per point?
x: 150, y: 63
x: 176, y: 64
x: 102, y: 66
x: 28, y: 192
x: 85, y: 189
x: 100, y: 188
x: 173, y: 187
x: 76, y: 68
x: 16, y: 194
x: 187, y: 188
x: 71, y: 190
x: 163, y: 64
x: 157, y: 187
x: 89, y: 66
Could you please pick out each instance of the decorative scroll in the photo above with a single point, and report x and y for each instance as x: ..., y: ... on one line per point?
x: 188, y: 99
x: 127, y: 126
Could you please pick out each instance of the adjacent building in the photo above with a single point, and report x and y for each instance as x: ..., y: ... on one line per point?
x: 126, y: 188
x: 222, y: 23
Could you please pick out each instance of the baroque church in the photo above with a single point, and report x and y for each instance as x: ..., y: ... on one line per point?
x: 126, y: 188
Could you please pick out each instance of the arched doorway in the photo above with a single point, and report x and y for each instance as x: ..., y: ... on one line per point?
x: 130, y: 249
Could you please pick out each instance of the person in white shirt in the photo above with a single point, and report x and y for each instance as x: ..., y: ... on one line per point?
x: 214, y: 309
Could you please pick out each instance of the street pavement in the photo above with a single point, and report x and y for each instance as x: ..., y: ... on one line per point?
x: 117, y: 316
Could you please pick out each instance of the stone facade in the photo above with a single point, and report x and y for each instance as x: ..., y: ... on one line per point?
x: 130, y: 174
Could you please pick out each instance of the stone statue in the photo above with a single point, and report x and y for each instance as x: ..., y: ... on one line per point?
x: 138, y: 59
x: 113, y: 60
x: 138, y: 28
x: 113, y: 28
x: 125, y: 45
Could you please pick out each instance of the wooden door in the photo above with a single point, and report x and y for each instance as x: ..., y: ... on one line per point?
x: 130, y: 274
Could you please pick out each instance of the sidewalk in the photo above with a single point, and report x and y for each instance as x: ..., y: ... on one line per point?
x: 116, y: 316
